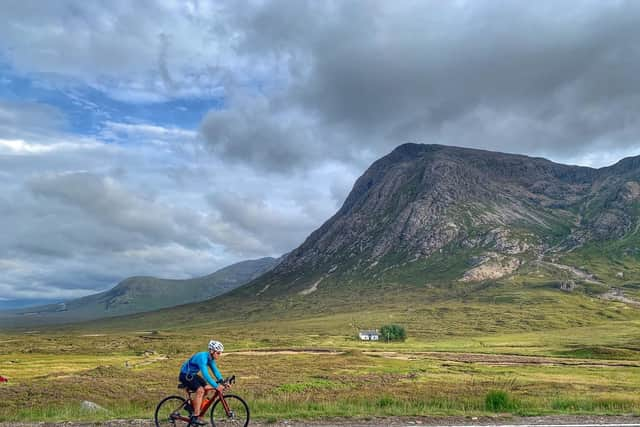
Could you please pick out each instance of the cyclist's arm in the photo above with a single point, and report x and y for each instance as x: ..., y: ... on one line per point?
x: 216, y: 372
x: 202, y: 364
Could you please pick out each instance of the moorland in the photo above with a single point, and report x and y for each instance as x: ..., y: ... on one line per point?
x: 493, y: 352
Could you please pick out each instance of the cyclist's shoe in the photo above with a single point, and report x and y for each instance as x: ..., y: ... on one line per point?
x: 196, y: 421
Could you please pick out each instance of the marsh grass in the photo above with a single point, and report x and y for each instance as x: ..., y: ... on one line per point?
x: 314, y: 384
x: 499, y: 401
x: 364, y: 380
x: 598, y: 405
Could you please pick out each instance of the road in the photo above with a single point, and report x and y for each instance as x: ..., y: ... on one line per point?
x: 502, y: 421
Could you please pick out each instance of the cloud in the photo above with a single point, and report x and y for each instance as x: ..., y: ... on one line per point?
x: 305, y: 83
x: 529, y: 78
x: 261, y: 225
x: 20, y: 118
x: 303, y: 97
x: 137, y: 52
x: 85, y: 214
x: 18, y: 146
x: 255, y: 134
x: 255, y: 215
x: 146, y: 132
x: 103, y: 199
x: 81, y: 215
x: 63, y: 215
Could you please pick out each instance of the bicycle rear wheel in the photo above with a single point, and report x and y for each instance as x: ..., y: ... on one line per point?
x: 171, y: 412
x: 238, y: 415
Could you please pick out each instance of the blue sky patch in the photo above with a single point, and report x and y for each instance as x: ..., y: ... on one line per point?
x: 87, y: 109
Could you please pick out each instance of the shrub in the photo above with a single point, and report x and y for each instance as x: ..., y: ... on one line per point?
x: 393, y: 333
x: 385, y: 402
x: 497, y: 401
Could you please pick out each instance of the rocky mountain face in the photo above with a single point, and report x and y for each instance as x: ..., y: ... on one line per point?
x: 506, y: 209
x: 141, y: 294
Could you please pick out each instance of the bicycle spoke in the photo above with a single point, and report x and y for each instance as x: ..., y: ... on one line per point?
x: 238, y: 414
x: 171, y: 412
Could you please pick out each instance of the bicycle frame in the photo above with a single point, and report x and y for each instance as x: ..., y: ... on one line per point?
x: 206, y: 403
x: 224, y: 404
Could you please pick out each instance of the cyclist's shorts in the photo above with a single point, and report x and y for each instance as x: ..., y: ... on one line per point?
x: 192, y: 381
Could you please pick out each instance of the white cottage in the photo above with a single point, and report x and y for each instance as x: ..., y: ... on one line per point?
x: 369, y: 335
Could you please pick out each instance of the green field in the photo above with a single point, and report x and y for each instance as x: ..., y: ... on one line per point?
x: 516, y: 347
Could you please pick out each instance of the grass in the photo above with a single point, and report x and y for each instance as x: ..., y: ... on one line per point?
x: 606, y: 259
x: 128, y: 373
x: 498, y: 401
x: 471, y: 350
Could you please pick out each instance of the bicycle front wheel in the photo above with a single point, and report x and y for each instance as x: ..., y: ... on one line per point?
x: 171, y: 412
x: 238, y: 415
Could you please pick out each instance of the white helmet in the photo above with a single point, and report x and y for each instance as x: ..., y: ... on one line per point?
x: 216, y: 346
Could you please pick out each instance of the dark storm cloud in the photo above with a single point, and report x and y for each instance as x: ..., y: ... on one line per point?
x: 544, y: 78
x: 277, y: 227
x: 252, y: 134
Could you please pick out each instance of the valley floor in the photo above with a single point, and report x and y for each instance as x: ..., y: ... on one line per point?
x: 461, y: 361
x: 129, y: 374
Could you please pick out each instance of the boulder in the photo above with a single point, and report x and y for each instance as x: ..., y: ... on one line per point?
x: 91, y: 406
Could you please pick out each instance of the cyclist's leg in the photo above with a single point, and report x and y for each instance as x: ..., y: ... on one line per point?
x: 191, y: 384
x: 197, y: 400
x: 195, y: 383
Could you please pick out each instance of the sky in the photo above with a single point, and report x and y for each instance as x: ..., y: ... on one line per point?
x: 173, y: 138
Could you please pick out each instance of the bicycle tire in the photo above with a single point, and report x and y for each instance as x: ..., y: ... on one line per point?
x: 240, y: 412
x: 171, y: 405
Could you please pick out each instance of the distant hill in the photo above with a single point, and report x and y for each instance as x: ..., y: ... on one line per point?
x: 140, y: 294
x: 14, y: 304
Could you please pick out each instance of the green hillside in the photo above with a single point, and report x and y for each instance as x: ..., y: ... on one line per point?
x: 139, y: 294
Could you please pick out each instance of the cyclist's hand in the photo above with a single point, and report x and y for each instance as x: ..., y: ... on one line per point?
x: 220, y: 388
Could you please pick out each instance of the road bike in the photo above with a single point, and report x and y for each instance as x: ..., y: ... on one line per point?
x: 226, y: 409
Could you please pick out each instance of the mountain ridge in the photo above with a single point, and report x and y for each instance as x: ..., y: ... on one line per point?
x: 420, y: 199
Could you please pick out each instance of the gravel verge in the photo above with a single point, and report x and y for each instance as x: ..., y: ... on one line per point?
x: 376, y: 422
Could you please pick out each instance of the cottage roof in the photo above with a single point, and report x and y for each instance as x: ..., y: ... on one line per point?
x: 369, y: 331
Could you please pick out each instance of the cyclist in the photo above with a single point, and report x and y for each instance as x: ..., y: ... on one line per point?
x: 199, y: 362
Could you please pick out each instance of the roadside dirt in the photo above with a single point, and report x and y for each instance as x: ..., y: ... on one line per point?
x: 392, y: 422
x: 505, y: 359
x: 288, y: 352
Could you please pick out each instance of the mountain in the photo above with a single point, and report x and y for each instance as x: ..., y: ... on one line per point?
x: 449, y: 215
x: 450, y: 240
x: 141, y: 294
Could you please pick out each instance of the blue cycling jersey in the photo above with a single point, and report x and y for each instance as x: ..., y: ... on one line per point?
x: 199, y: 363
